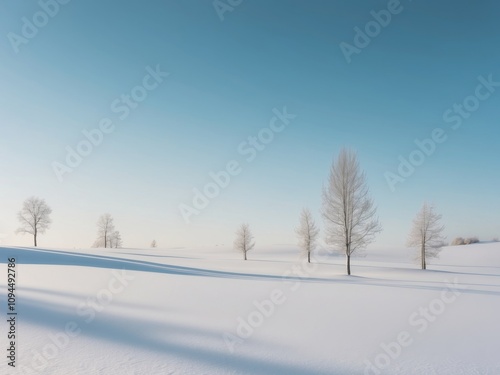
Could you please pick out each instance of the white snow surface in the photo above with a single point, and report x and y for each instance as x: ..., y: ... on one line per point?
x: 168, y: 311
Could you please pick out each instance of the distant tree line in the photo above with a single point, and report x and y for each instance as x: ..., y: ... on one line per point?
x: 348, y: 212
x: 464, y: 241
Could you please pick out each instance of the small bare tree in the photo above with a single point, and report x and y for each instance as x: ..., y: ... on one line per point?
x: 34, y: 217
x: 348, y: 211
x: 426, y: 234
x: 457, y: 241
x: 105, y: 230
x: 153, y: 244
x: 307, y: 233
x: 115, y: 240
x: 243, y: 241
x: 471, y: 240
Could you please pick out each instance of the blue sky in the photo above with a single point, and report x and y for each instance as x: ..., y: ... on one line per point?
x: 225, y: 78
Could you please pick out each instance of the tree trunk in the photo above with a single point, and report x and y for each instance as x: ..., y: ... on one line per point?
x: 309, y: 257
x: 34, y: 239
x: 349, y: 265
x: 422, y: 255
x: 245, y: 255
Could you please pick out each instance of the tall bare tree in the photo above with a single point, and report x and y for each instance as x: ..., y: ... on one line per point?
x: 105, y: 230
x: 34, y: 217
x: 244, y: 240
x: 426, y: 234
x: 348, y: 211
x: 307, y: 232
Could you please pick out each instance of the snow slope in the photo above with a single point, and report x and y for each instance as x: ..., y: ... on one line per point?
x: 191, y: 311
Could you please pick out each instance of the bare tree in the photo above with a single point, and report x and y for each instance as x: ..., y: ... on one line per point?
x: 243, y: 241
x: 348, y: 211
x: 457, y: 241
x: 426, y: 234
x: 307, y: 233
x: 154, y: 244
x: 34, y: 217
x: 115, y: 240
x: 471, y: 240
x: 105, y: 230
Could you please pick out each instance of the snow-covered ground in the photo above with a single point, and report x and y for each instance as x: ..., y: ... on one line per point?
x: 206, y: 311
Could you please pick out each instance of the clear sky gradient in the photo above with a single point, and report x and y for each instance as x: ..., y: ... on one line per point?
x: 225, y: 78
